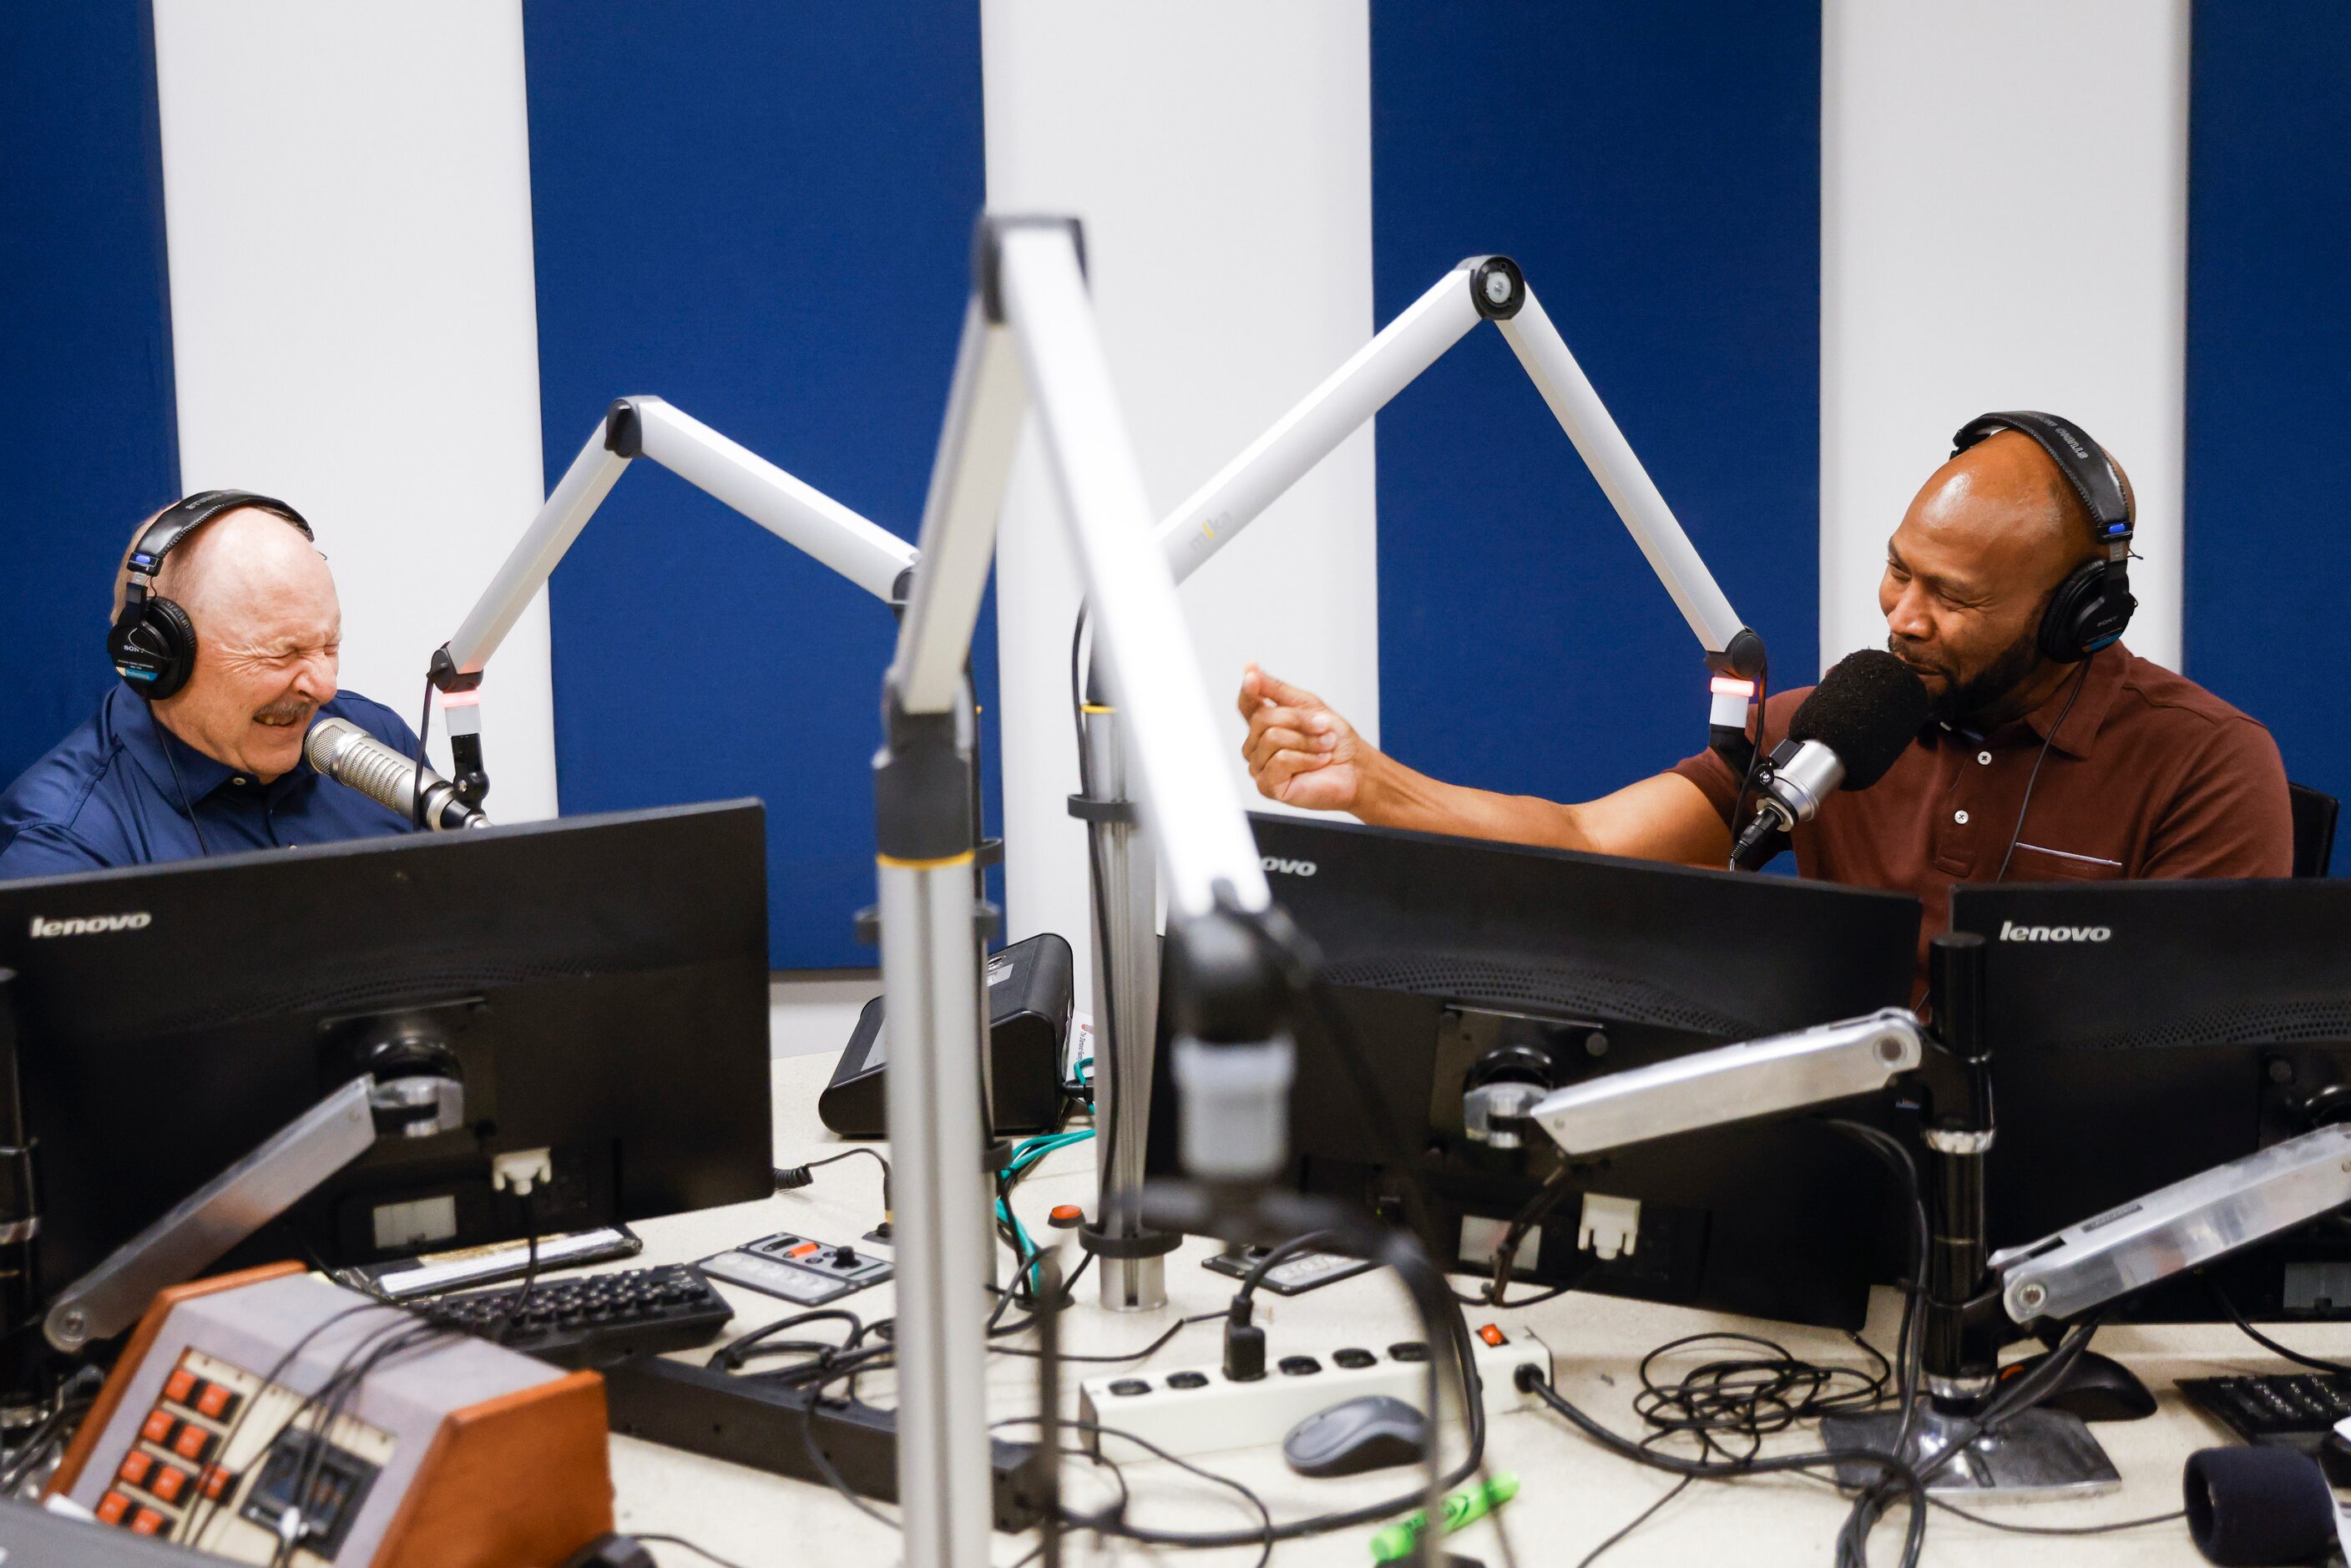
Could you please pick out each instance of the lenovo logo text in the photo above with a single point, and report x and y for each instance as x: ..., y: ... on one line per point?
x: 90, y: 925
x: 2011, y: 932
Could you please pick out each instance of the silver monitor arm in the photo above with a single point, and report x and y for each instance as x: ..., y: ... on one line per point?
x: 1768, y: 1077
x: 802, y: 516
x: 1029, y: 338
x: 2181, y: 1226
x: 295, y: 1162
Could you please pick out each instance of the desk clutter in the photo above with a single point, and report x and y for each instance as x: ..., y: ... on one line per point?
x: 441, y: 1378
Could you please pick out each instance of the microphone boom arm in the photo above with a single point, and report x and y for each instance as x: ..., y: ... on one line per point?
x: 802, y: 516
x: 1481, y: 289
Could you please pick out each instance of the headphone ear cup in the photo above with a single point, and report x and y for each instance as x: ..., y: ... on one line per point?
x: 2069, y: 627
x: 156, y: 653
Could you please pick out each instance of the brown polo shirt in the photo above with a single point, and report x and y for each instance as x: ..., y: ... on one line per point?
x: 2151, y: 776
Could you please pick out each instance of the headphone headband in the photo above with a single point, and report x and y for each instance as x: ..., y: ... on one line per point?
x: 184, y: 517
x: 2082, y: 461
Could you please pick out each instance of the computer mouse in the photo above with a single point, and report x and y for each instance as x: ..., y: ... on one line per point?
x: 2100, y: 1388
x: 1370, y: 1433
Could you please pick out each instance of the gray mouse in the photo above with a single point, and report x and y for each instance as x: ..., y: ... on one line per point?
x: 1370, y: 1433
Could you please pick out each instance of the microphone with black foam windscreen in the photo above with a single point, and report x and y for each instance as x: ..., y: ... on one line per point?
x: 2250, y: 1507
x: 351, y: 756
x: 1844, y: 736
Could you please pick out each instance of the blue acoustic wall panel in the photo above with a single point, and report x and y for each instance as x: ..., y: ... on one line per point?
x: 85, y: 335
x: 2269, y: 370
x: 1656, y: 170
x: 762, y: 214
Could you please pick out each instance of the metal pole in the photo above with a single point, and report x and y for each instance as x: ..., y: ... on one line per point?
x: 1125, y: 896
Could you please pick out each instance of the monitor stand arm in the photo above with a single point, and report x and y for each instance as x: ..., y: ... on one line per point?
x: 294, y: 1162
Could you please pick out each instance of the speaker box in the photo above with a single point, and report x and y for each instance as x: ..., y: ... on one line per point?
x: 1029, y: 1002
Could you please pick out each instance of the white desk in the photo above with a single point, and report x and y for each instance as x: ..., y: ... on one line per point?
x: 1575, y: 1494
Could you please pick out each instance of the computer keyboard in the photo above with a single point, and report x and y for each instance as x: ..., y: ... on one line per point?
x: 2286, y: 1410
x: 595, y: 1320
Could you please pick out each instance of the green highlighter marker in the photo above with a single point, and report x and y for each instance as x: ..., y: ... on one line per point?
x: 1463, y: 1508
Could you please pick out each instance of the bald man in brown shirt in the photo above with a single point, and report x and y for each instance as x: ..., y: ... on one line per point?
x: 2140, y: 772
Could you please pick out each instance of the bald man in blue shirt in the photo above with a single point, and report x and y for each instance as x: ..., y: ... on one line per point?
x: 214, y: 764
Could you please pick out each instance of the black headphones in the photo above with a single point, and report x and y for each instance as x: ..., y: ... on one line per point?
x: 2090, y: 608
x: 152, y: 642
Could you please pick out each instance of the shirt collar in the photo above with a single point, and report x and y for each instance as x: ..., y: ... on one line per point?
x: 156, y: 749
x: 2098, y: 685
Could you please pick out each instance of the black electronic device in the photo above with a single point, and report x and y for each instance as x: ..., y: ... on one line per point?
x: 1456, y: 962
x: 1029, y: 992
x: 2146, y: 1030
x: 776, y: 1426
x: 600, y: 984
x: 153, y: 642
x: 594, y: 1319
x: 2091, y: 608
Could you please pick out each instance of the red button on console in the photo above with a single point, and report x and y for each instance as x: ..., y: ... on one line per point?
x: 215, y: 1401
x: 181, y: 1383
x: 112, y: 1507
x: 168, y: 1484
x: 157, y: 1429
x: 135, y: 1466
x: 146, y: 1522
x: 194, y: 1443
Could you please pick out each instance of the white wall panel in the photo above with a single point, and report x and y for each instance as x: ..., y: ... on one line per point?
x: 2004, y: 224
x: 348, y: 192
x: 1219, y: 154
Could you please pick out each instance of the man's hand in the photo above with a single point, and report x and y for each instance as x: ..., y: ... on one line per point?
x: 1299, y: 751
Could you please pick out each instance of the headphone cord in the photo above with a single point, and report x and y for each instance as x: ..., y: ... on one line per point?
x: 2034, y: 777
x: 202, y: 849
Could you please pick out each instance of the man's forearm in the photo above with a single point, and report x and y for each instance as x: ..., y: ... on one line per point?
x: 1395, y: 796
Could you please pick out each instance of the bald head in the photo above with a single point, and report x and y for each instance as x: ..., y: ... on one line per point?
x: 268, y: 632
x: 1983, y: 547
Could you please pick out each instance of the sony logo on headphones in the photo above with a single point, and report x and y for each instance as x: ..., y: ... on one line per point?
x: 1288, y: 868
x: 2011, y: 932
x: 91, y: 925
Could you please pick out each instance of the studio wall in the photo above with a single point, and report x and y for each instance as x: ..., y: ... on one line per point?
x: 1655, y: 170
x: 2269, y: 370
x: 763, y: 215
x: 86, y: 331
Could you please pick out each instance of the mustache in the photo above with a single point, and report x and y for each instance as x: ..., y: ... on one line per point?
x: 284, y: 710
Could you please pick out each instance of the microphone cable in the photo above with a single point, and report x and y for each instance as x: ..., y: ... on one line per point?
x: 2034, y: 777
x: 180, y: 784
x: 424, y: 733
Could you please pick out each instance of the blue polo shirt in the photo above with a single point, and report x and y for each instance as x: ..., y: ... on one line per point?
x: 106, y: 796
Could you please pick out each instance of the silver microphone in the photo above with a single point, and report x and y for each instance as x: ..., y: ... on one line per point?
x: 351, y: 756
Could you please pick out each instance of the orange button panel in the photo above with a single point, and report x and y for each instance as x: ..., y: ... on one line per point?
x: 112, y: 1507
x: 170, y: 1484
x: 158, y: 1425
x: 1492, y: 1334
x: 218, y: 1483
x: 135, y: 1466
x: 194, y: 1443
x: 215, y: 1401
x: 146, y: 1522
x: 181, y: 1384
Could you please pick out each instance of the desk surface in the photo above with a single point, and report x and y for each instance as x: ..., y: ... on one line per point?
x: 1575, y: 1495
